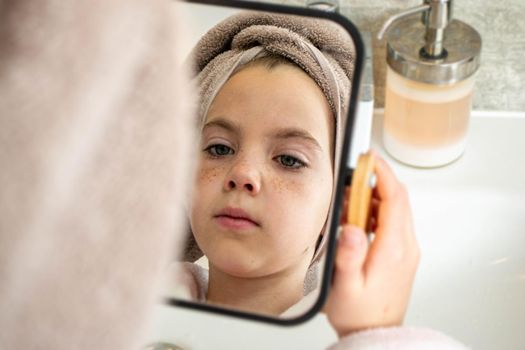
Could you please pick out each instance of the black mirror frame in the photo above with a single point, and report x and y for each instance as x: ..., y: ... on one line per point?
x: 345, y: 173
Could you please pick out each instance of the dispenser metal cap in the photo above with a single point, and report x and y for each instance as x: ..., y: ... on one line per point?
x: 435, y: 49
x: 462, y: 45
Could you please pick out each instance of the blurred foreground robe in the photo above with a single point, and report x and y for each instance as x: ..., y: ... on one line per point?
x: 92, y: 156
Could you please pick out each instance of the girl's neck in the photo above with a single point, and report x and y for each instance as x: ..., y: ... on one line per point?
x: 272, y: 294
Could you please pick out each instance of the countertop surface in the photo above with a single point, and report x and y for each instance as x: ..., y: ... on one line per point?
x: 470, y: 223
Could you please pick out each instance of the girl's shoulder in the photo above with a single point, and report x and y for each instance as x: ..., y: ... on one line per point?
x: 187, y: 281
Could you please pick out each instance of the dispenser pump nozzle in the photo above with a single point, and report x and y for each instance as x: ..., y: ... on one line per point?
x: 436, y: 16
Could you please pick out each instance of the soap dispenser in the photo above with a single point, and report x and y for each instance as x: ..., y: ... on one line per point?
x: 431, y: 61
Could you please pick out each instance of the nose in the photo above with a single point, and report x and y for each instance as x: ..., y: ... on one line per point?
x: 243, y: 176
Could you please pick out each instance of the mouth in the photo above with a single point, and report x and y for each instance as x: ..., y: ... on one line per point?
x: 235, y: 218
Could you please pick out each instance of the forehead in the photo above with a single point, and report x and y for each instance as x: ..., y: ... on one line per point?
x: 258, y: 98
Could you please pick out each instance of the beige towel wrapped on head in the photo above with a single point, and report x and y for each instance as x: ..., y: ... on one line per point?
x: 323, y: 49
x: 319, y: 47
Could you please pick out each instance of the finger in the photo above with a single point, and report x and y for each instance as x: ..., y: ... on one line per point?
x: 387, y: 184
x: 393, y: 229
x: 390, y: 198
x: 350, y: 259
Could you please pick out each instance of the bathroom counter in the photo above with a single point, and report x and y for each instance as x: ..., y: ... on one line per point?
x: 470, y: 223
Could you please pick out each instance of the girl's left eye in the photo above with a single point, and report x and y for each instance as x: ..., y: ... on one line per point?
x: 290, y: 162
x: 218, y: 150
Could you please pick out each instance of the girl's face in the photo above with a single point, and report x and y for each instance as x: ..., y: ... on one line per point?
x: 264, y: 180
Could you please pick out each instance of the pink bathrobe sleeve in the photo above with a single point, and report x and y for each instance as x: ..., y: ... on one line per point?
x: 93, y: 160
x: 398, y: 338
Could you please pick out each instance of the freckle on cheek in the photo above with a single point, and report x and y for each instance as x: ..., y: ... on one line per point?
x: 278, y: 185
x: 285, y: 186
x: 208, y: 175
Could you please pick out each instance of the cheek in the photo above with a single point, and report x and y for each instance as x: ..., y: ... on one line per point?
x: 301, y: 206
x: 207, y: 184
x: 206, y: 188
x: 208, y: 179
x: 307, y: 191
x: 207, y: 174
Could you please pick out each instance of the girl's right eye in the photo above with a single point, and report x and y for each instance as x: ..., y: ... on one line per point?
x: 218, y: 150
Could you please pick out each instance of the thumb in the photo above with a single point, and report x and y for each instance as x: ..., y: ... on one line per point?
x: 350, y: 258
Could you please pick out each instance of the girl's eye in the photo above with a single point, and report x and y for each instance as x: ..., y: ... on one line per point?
x: 219, y: 150
x: 290, y: 162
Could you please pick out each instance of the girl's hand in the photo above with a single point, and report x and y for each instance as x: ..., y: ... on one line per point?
x: 372, y: 283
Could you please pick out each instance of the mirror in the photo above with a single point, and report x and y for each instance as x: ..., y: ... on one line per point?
x: 277, y: 93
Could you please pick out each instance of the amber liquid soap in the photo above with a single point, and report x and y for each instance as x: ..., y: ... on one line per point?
x: 426, y: 125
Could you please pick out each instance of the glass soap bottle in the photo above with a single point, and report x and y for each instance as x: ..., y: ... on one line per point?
x: 431, y: 61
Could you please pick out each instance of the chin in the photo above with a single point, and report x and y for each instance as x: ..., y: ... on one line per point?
x: 238, y: 269
x: 237, y: 265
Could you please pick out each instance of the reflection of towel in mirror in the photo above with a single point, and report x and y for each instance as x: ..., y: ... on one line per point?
x: 323, y: 49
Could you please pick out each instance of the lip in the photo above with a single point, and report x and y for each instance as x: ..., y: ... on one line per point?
x: 235, y: 218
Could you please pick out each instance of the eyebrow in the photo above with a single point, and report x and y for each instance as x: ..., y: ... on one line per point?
x: 297, y: 133
x: 224, y: 124
x: 286, y: 133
